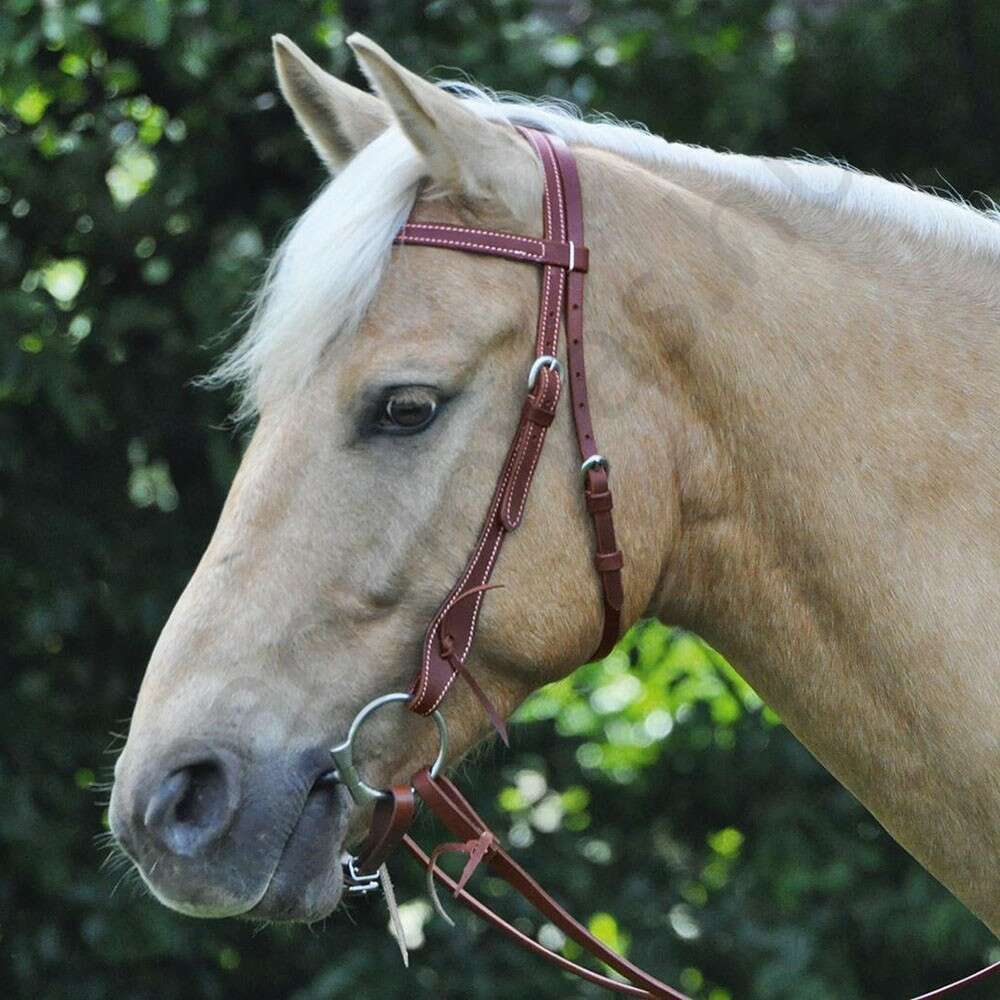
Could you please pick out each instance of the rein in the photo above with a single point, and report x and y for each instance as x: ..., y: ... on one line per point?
x: 564, y: 259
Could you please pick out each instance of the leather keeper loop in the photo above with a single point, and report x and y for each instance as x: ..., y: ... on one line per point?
x: 393, y: 816
x: 598, y: 503
x: 537, y: 414
x: 557, y: 252
x: 608, y: 562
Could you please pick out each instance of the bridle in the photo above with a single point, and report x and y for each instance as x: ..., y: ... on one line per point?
x: 564, y: 259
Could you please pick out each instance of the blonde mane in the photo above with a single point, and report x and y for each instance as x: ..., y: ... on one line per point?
x: 327, y: 270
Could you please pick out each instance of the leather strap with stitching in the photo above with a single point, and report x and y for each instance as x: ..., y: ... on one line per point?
x: 563, y: 187
x: 452, y: 809
x: 564, y: 260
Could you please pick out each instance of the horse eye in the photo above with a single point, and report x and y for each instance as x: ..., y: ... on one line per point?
x: 408, y: 411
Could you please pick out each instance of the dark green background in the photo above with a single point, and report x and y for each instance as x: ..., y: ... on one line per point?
x: 146, y: 169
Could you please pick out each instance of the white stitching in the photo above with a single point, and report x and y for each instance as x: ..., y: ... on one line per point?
x: 531, y: 474
x: 547, y: 341
x: 522, y: 436
x: 462, y: 245
x: 521, y: 452
x: 537, y: 455
x: 537, y: 142
x: 447, y: 227
x: 547, y: 147
x: 479, y: 597
x: 493, y: 509
x: 475, y: 611
x: 540, y: 256
x: 542, y: 338
x: 458, y: 588
x: 557, y: 322
x: 558, y: 179
x: 447, y: 687
x: 544, y: 148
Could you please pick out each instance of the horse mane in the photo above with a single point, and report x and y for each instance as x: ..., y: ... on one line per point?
x: 327, y: 269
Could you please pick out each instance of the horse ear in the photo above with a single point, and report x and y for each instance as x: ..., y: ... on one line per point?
x: 338, y: 119
x: 465, y: 154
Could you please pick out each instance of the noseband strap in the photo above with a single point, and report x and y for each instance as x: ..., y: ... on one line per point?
x: 564, y: 260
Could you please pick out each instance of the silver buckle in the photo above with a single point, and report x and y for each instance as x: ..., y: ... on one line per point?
x: 355, y: 882
x: 593, y: 462
x: 543, y: 361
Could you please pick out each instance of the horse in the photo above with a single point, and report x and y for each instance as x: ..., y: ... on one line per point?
x: 796, y: 370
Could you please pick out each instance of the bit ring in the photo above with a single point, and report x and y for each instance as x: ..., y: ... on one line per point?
x: 343, y: 753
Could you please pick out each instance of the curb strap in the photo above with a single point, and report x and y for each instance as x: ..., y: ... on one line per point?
x: 564, y: 261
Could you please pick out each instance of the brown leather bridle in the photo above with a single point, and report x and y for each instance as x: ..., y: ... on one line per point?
x: 564, y: 260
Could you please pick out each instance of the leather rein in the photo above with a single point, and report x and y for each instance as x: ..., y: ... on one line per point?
x: 564, y: 260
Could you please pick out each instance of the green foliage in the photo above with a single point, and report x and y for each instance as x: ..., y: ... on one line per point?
x: 145, y: 167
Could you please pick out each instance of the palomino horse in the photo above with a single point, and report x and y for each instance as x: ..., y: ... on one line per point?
x: 794, y: 372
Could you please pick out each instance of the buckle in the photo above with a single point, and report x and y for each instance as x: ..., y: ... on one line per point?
x: 355, y: 882
x: 543, y: 361
x: 593, y: 462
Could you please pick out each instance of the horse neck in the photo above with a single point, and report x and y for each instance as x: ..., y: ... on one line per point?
x: 827, y: 401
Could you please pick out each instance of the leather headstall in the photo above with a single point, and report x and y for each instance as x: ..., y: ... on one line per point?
x: 564, y: 260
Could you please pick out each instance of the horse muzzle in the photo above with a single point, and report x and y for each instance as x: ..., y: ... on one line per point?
x: 216, y: 835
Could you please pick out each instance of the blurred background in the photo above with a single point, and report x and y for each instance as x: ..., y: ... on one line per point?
x: 147, y: 168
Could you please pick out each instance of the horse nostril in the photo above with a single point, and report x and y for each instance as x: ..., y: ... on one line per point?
x: 191, y: 808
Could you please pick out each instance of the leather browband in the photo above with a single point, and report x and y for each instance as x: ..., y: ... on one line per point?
x: 564, y: 260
